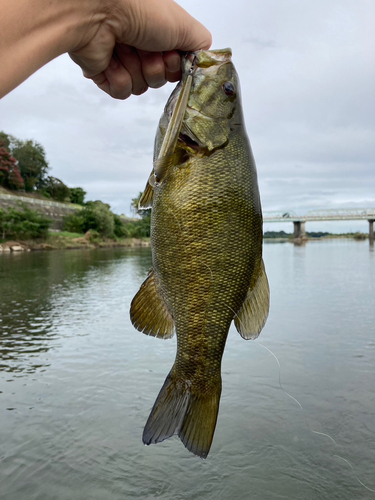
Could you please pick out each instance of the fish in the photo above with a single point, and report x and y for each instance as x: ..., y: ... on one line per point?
x: 206, y: 240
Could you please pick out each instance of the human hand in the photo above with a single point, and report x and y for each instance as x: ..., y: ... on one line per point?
x: 135, y: 47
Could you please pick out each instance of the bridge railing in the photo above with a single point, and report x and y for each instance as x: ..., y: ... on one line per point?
x: 321, y: 215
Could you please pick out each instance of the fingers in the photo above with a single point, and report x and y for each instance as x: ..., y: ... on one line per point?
x: 115, y: 80
x: 153, y: 68
x: 136, y: 46
x: 172, y: 61
x: 129, y: 59
x: 133, y: 72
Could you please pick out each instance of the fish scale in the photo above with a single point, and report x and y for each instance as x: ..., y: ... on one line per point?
x: 206, y: 239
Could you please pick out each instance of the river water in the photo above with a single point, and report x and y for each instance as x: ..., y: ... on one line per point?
x: 77, y: 383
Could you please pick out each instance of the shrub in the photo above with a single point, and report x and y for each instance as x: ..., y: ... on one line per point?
x: 77, y: 195
x: 23, y: 223
x: 120, y: 228
x: 55, y: 188
x: 100, y: 218
x: 139, y: 228
x: 75, y: 223
x: 95, y: 215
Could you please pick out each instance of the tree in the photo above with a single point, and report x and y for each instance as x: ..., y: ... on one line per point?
x: 77, y: 195
x: 55, y: 188
x: 10, y: 176
x: 32, y: 162
x: 5, y: 140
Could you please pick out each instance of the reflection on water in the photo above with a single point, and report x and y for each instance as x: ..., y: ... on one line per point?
x: 38, y: 288
x: 77, y: 383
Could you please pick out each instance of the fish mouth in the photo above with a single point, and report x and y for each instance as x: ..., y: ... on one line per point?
x: 204, y: 59
x: 189, y: 142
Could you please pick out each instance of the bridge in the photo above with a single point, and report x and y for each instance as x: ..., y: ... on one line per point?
x: 299, y: 221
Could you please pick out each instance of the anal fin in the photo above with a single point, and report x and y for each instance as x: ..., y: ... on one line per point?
x: 254, y: 310
x: 148, y: 311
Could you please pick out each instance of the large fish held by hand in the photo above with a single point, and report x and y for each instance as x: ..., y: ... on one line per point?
x: 206, y: 238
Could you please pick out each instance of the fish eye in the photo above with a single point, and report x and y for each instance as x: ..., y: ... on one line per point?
x: 229, y: 89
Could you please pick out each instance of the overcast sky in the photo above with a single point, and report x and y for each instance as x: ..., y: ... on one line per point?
x: 307, y: 71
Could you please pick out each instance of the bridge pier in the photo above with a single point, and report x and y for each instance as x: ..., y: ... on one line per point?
x: 371, y: 230
x: 299, y: 234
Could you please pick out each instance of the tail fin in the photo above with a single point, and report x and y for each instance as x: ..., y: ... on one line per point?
x: 182, y: 409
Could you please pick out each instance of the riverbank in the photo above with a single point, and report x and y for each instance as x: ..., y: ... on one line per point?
x: 69, y: 241
x: 64, y: 240
x: 311, y: 237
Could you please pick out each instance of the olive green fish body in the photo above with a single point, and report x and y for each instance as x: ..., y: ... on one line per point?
x: 206, y: 235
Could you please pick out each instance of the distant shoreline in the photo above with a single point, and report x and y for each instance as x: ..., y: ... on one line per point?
x: 71, y: 241
x: 282, y: 236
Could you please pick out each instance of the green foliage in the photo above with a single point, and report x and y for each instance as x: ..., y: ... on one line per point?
x: 119, y: 227
x: 139, y: 228
x: 23, y: 223
x: 360, y: 236
x: 4, y: 140
x: 100, y: 218
x: 276, y: 234
x: 316, y: 234
x: 32, y: 161
x: 95, y: 215
x: 77, y: 195
x: 54, y: 188
x: 75, y: 223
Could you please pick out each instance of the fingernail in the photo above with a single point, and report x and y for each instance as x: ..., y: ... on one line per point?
x: 173, y: 64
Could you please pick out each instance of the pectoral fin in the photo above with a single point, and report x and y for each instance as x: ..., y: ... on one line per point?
x: 254, y: 311
x: 148, y: 311
x: 163, y: 164
x: 147, y: 197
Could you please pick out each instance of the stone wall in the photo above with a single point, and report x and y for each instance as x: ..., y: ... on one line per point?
x: 52, y: 209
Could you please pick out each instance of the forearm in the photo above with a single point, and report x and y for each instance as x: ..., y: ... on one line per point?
x: 33, y: 32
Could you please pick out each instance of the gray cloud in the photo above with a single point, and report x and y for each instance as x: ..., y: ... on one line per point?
x: 307, y: 74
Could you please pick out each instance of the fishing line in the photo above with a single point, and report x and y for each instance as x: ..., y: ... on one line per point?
x: 299, y: 404
x: 350, y: 465
x: 306, y: 422
x: 294, y: 399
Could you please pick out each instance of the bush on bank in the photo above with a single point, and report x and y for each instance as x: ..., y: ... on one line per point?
x: 97, y: 216
x: 23, y: 223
